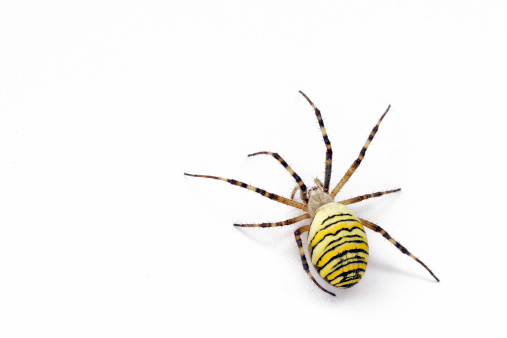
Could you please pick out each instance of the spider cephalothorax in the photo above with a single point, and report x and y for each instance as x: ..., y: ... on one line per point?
x: 337, y: 242
x: 317, y: 198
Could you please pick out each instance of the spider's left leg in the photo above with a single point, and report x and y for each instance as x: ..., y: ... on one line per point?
x: 384, y: 233
x: 263, y: 192
x: 298, y: 233
x: 357, y: 162
x: 329, y: 150
x: 277, y: 224
x: 298, y: 179
x: 365, y: 197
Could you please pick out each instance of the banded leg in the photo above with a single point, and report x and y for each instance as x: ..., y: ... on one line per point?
x: 264, y: 193
x: 297, y: 234
x: 365, y: 197
x: 384, y: 233
x: 277, y: 224
x: 357, y: 162
x: 298, y: 179
x: 329, y: 151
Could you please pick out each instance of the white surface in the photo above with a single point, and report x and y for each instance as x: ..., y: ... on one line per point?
x: 104, y: 105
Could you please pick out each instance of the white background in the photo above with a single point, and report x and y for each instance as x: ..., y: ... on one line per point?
x: 104, y: 105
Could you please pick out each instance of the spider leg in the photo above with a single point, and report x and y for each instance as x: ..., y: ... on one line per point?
x: 297, y: 234
x: 277, y: 224
x: 365, y: 197
x: 357, y: 162
x: 264, y: 193
x: 296, y: 188
x: 298, y: 179
x: 329, y: 151
x: 384, y: 233
x: 317, y: 181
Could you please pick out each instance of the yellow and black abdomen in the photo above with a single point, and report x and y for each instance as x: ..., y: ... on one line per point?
x: 337, y: 245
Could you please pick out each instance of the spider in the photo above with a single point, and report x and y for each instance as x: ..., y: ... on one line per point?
x: 337, y: 243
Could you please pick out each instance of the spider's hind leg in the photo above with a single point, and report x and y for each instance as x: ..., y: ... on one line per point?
x: 297, y: 234
x: 400, y: 247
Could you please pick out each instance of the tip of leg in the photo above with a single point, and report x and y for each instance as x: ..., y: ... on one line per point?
x: 258, y: 153
x: 329, y: 292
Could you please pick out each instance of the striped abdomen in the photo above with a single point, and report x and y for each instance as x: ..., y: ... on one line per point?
x: 337, y: 245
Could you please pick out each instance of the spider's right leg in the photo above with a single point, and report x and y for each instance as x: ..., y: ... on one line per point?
x: 298, y: 179
x: 400, y: 247
x: 365, y: 197
x: 298, y: 233
x: 277, y: 224
x: 358, y: 160
x: 264, y: 193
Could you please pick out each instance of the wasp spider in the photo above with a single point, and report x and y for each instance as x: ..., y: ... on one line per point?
x: 337, y: 243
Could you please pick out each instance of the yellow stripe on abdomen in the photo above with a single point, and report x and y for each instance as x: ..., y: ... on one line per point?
x: 337, y: 245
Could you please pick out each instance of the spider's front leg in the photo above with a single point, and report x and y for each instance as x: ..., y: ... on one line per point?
x: 301, y: 185
x: 276, y: 224
x: 329, y: 150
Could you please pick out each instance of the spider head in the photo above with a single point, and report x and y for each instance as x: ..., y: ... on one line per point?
x: 317, y: 198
